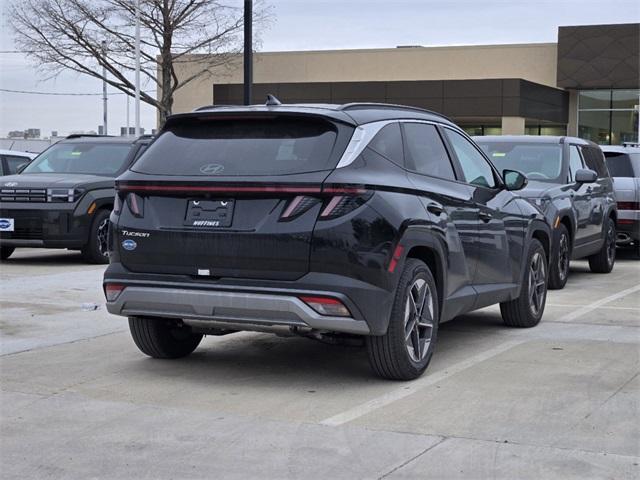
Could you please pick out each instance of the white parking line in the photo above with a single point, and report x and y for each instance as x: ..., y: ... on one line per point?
x: 409, y: 389
x: 592, y: 306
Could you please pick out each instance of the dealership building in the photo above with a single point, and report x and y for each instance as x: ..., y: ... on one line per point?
x: 587, y: 84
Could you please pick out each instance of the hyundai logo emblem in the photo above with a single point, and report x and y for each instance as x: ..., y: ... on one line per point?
x: 129, y: 244
x: 11, y: 184
x: 211, y: 169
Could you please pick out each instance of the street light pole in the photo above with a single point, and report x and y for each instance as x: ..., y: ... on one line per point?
x: 248, y: 50
x: 104, y: 89
x: 137, y: 102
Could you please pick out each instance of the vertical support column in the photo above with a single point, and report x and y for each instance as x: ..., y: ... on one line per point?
x: 572, y: 126
x: 248, y: 50
x: 512, y: 125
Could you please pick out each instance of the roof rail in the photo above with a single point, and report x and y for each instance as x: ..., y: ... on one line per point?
x: 209, y: 107
x: 80, y: 135
x: 354, y: 105
x: 631, y: 144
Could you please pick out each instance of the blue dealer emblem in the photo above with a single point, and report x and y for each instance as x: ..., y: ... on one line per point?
x: 4, y: 224
x: 129, y: 245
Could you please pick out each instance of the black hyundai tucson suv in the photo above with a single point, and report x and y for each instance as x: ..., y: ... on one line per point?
x: 569, y: 181
x: 367, y: 220
x: 63, y: 198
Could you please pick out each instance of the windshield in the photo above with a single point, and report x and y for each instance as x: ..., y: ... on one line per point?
x: 84, y: 158
x: 233, y: 147
x: 622, y: 164
x: 538, y: 161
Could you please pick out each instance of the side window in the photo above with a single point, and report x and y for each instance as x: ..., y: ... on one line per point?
x: 477, y: 170
x: 14, y: 162
x: 595, y: 161
x: 575, y: 162
x: 426, y: 153
x: 388, y: 143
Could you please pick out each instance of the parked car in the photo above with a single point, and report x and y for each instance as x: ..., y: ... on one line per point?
x: 63, y: 198
x: 324, y: 221
x: 624, y: 166
x: 12, y: 160
x: 569, y: 181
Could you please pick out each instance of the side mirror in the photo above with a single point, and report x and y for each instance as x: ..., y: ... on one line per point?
x: 586, y: 176
x: 514, y: 180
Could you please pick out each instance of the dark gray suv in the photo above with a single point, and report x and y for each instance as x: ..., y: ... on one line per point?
x: 569, y: 181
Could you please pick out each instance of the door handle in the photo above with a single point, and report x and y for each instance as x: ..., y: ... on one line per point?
x: 485, y: 217
x: 435, y: 208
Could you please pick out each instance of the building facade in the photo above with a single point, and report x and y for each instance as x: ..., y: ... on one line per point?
x: 587, y: 84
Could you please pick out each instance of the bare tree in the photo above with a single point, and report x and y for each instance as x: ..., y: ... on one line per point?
x: 68, y: 34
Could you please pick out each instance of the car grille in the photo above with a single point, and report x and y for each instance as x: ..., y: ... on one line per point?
x: 27, y: 225
x: 23, y: 195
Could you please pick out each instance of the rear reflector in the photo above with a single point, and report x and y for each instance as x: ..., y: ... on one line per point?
x: 628, y: 205
x: 625, y: 221
x: 112, y: 291
x: 327, y: 306
x: 397, y: 255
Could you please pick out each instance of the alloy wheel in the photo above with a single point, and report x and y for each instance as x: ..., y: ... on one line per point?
x: 537, y: 283
x: 102, y: 237
x: 418, y: 320
x: 563, y: 257
x: 611, y: 243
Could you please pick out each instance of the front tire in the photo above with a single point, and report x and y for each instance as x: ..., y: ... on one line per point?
x: 158, y: 338
x: 559, y: 264
x: 526, y: 310
x: 5, y: 252
x: 97, y: 248
x: 404, y: 352
x: 603, y: 261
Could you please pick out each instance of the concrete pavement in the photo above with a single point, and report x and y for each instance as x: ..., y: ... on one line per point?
x: 78, y: 400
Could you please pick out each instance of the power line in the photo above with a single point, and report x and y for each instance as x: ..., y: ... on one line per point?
x: 26, y: 92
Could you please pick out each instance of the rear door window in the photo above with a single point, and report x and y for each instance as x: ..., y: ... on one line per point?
x: 619, y: 164
x: 426, y: 153
x: 237, y: 147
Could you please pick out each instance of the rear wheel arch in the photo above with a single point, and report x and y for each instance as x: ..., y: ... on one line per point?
x: 567, y: 222
x: 432, y: 254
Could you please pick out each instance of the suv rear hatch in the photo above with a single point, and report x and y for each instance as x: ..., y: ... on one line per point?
x: 229, y: 195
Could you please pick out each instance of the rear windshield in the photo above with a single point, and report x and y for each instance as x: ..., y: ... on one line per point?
x: 236, y: 147
x: 537, y: 161
x: 85, y: 158
x: 621, y: 164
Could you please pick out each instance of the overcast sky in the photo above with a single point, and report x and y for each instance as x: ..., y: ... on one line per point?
x: 311, y: 25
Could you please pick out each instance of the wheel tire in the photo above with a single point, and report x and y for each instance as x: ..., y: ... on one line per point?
x: 5, y: 252
x: 95, y: 251
x: 560, y: 261
x: 389, y: 354
x: 526, y: 310
x: 603, y: 261
x: 158, y: 338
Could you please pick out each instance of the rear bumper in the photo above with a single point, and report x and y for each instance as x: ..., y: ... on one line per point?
x: 628, y: 228
x: 247, y: 303
x: 236, y: 309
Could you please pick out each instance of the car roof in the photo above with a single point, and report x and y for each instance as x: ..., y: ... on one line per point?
x: 619, y: 149
x: 547, y: 139
x: 17, y: 153
x: 351, y: 113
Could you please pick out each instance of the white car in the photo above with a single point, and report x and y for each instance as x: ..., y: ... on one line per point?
x: 12, y: 160
x: 624, y: 165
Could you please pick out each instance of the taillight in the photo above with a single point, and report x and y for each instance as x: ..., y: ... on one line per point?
x: 628, y: 205
x: 297, y: 206
x: 344, y: 200
x: 117, y: 204
x: 112, y: 291
x: 136, y: 204
x: 327, y: 306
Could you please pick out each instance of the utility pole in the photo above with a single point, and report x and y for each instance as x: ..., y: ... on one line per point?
x: 128, y: 122
x: 248, y: 50
x: 137, y: 102
x: 104, y: 89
